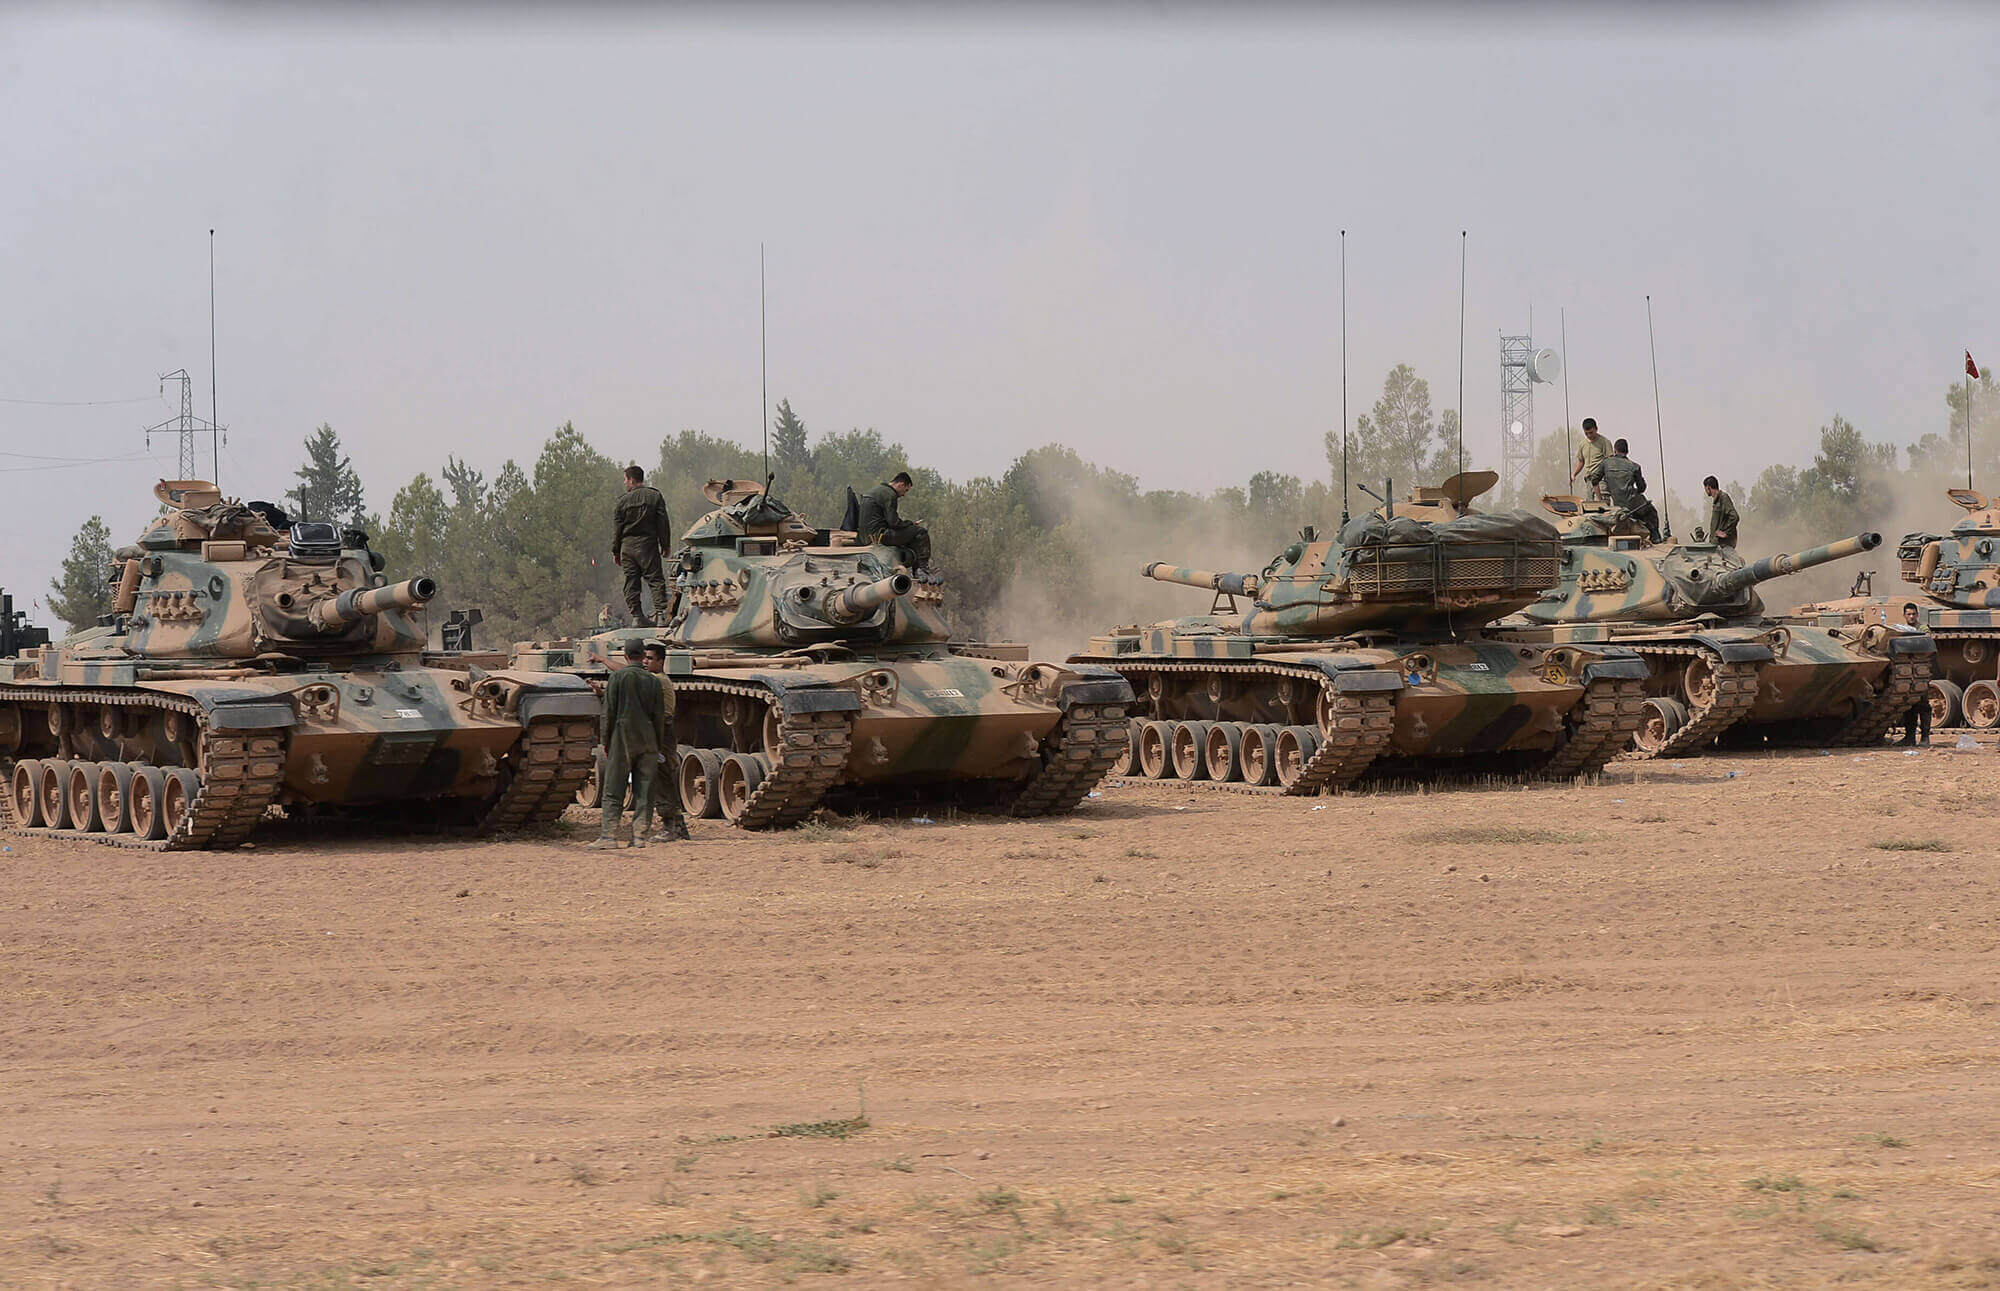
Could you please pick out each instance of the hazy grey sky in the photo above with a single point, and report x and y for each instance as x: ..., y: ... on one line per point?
x: 450, y: 234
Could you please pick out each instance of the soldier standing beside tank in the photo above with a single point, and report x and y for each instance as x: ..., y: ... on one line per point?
x: 639, y: 535
x: 667, y: 795
x: 1722, y: 519
x: 633, y: 731
x: 880, y: 522
x: 1917, y: 726
x: 1591, y: 451
x: 1625, y: 483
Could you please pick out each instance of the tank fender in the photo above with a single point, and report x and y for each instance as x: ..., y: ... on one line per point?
x: 1116, y: 690
x: 1912, y: 643
x: 1367, y: 681
x: 1730, y: 650
x: 1629, y: 667
x: 814, y: 697
x: 231, y: 708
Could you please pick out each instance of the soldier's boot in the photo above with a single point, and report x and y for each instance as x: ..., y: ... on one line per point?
x: 605, y: 844
x: 674, y: 829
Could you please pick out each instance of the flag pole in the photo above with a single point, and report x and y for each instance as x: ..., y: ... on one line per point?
x: 1968, y: 428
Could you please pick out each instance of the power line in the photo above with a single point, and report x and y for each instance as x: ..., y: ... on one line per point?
x: 79, y: 403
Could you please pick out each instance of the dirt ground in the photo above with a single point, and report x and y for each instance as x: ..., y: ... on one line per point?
x: 1726, y: 1023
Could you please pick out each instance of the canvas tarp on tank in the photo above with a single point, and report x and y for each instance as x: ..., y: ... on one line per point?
x: 1486, y: 552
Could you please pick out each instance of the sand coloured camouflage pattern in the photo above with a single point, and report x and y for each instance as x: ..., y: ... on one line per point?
x: 1381, y: 655
x: 1720, y: 668
x: 832, y: 667
x: 311, y: 661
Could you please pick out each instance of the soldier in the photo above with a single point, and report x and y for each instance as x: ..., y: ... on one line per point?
x: 1917, y: 726
x: 639, y: 535
x: 632, y: 730
x: 667, y: 797
x: 1721, y: 514
x: 1621, y: 478
x: 1591, y: 451
x: 881, y: 523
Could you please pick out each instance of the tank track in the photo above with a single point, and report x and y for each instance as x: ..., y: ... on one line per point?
x: 1735, y: 696
x: 815, y: 748
x: 1087, y: 740
x: 1362, y: 726
x: 240, y: 776
x: 1908, y: 681
x: 1612, y: 709
x: 556, y: 755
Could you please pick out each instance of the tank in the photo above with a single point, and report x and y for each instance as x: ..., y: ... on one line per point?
x: 811, y: 668
x: 1719, y: 667
x: 1369, y: 654
x: 250, y: 663
x: 1956, y: 593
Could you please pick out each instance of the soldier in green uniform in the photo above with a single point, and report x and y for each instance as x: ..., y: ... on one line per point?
x: 1722, y: 518
x: 634, y: 730
x: 1591, y: 451
x: 667, y: 796
x: 640, y: 533
x: 1625, y: 484
x: 881, y: 523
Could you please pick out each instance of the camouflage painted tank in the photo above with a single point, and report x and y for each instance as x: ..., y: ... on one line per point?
x: 1370, y: 654
x: 807, y: 665
x: 247, y: 666
x: 1719, y: 668
x: 1958, y: 606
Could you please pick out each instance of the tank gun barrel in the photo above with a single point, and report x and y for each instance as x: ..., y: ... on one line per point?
x: 1776, y: 566
x: 863, y: 599
x: 358, y: 603
x: 1233, y: 584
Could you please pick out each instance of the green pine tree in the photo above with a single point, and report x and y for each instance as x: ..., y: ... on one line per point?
x: 329, y: 488
x: 84, y: 592
x: 789, y: 442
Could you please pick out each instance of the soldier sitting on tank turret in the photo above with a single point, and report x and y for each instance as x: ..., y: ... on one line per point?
x: 1625, y: 483
x: 880, y: 522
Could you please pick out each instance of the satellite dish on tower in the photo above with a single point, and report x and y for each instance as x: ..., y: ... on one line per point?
x: 1545, y: 366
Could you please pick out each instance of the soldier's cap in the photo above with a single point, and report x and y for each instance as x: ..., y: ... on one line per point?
x: 634, y: 648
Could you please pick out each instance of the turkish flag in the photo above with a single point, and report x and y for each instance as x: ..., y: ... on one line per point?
x: 1971, y: 368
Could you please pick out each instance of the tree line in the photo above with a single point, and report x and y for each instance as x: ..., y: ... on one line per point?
x: 1053, y: 539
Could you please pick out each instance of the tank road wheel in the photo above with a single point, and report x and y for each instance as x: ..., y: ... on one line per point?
x: 1259, y: 755
x: 700, y: 783
x: 1296, y: 746
x: 1947, y: 703
x: 1221, y: 751
x: 591, y: 792
x: 1698, y: 683
x: 1128, y: 757
x: 114, y: 796
x: 1156, y: 760
x: 741, y: 774
x: 80, y: 794
x: 24, y: 793
x: 1981, y: 703
x: 149, y: 818
x: 179, y: 794
x: 1189, y: 738
x: 1663, y: 719
x: 54, y: 790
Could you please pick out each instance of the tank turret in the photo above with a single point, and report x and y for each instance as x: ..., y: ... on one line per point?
x: 1611, y: 571
x: 754, y: 575
x: 1396, y: 573
x: 1960, y: 569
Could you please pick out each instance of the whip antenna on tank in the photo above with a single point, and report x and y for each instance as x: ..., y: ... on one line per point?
x: 1659, y: 428
x: 1562, y: 322
x: 215, y: 422
x: 763, y: 371
x: 1460, y: 501
x: 1343, y: 378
